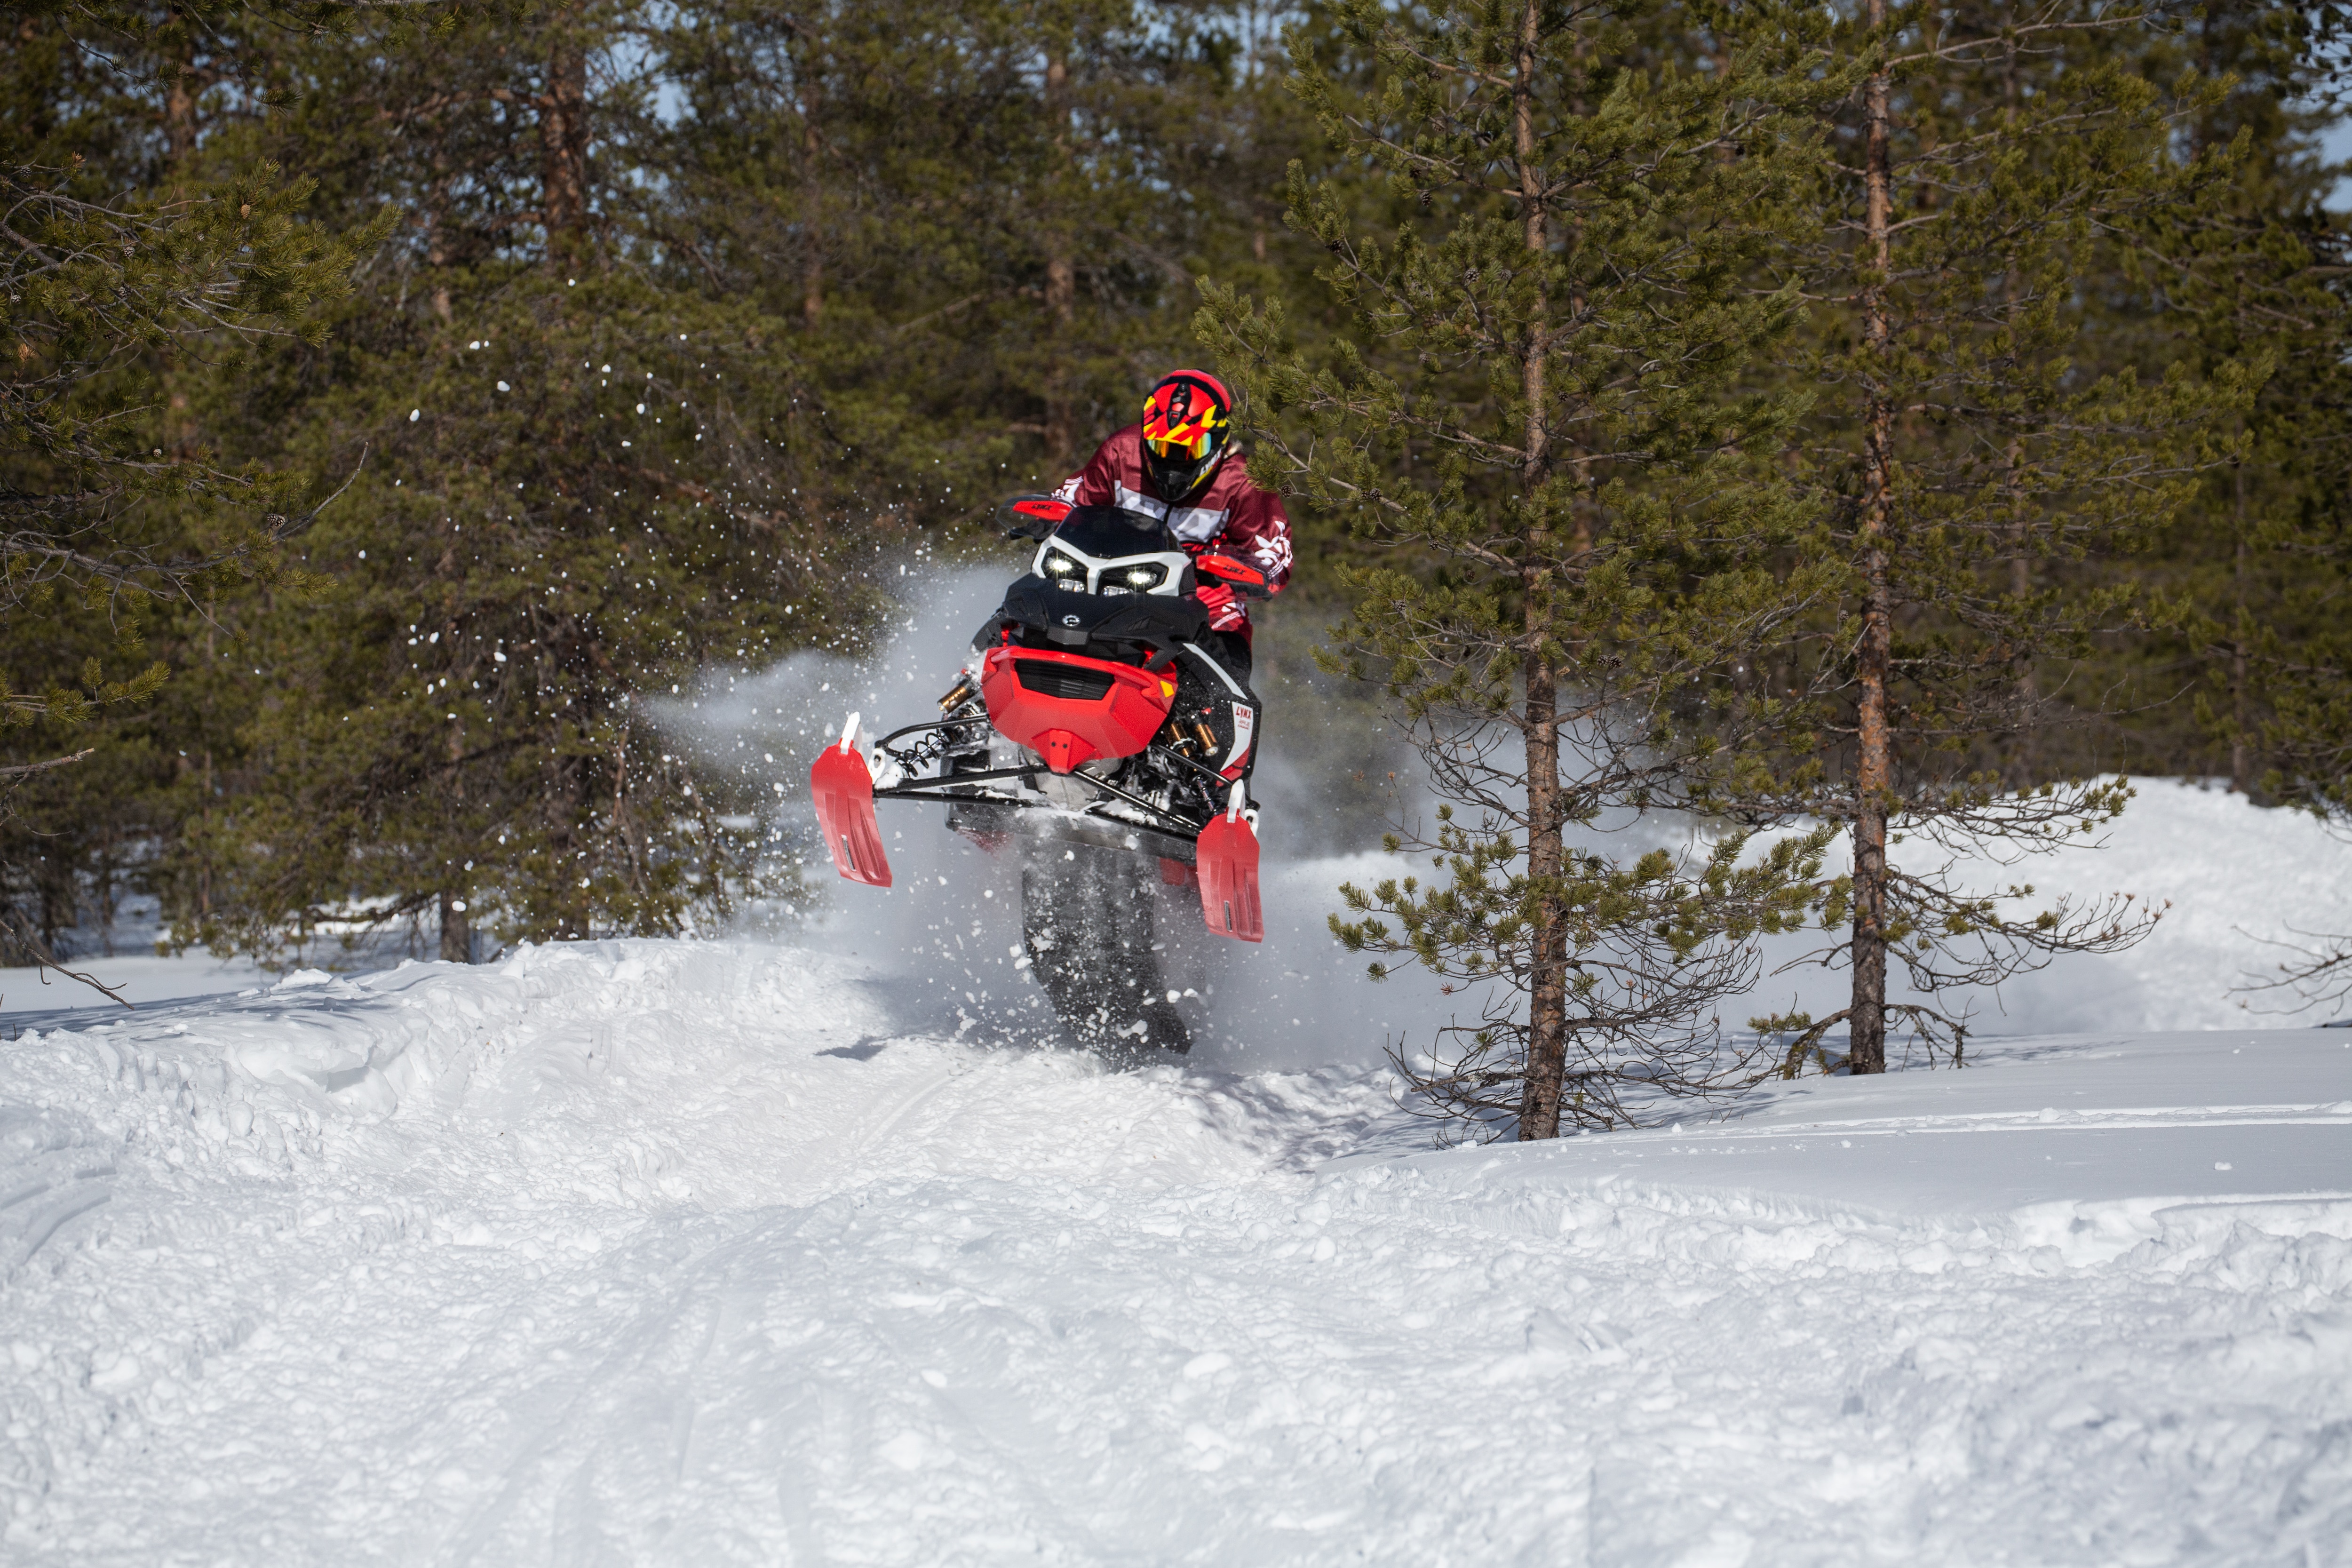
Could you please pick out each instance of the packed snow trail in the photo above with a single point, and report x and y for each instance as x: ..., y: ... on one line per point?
x: 673, y: 1253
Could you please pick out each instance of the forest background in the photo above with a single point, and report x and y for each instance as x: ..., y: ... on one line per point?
x: 397, y: 394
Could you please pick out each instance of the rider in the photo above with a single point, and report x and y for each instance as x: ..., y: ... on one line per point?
x: 1174, y: 466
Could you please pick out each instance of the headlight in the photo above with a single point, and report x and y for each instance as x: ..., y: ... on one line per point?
x: 1060, y: 568
x: 1136, y: 579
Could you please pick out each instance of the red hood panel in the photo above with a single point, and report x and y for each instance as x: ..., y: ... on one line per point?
x: 1070, y: 709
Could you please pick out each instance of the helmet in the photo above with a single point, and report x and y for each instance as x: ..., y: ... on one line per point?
x: 1187, y: 427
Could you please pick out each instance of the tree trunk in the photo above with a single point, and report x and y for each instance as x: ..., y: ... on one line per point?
x: 1874, y: 762
x: 180, y: 109
x: 1061, y: 274
x: 53, y: 919
x: 436, y: 258
x: 2241, y: 763
x: 1548, y: 956
x: 107, y: 888
x: 456, y: 930
x: 2025, y: 762
x: 563, y: 147
x: 181, y: 436
x: 436, y: 248
x: 2025, y: 766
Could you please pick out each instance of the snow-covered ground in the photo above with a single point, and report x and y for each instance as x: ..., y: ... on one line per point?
x: 666, y: 1253
x: 2248, y: 886
x: 692, y: 1253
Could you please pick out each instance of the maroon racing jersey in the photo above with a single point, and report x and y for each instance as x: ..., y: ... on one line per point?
x: 1232, y: 513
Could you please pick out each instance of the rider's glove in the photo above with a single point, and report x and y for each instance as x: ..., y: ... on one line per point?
x: 1224, y: 614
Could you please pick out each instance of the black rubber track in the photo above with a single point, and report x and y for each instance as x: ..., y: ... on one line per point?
x: 1087, y: 916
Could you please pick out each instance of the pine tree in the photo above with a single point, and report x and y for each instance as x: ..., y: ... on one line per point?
x: 2258, y: 275
x: 2275, y: 276
x: 1536, y: 413
x: 822, y: 232
x: 830, y: 166
x: 1960, y: 462
x: 569, y: 502
x: 984, y: 219
x: 112, y: 272
x: 144, y: 272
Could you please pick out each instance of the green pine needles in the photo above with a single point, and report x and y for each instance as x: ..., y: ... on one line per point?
x: 1825, y: 445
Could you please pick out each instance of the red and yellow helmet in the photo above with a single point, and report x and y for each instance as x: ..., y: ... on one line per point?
x: 1187, y: 427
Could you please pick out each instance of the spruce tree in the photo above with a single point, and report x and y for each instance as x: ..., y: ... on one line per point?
x: 1535, y: 415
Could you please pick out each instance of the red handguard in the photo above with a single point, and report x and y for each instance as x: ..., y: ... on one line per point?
x: 1238, y: 577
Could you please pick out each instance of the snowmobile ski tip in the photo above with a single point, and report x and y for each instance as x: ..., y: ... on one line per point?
x: 843, y: 789
x: 1226, y: 861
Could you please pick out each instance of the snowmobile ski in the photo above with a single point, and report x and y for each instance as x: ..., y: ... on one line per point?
x: 843, y: 787
x: 1226, y: 861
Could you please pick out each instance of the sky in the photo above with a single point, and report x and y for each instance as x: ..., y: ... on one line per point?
x: 2338, y: 144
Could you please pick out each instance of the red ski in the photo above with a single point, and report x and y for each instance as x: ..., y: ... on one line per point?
x: 1226, y: 858
x: 843, y: 787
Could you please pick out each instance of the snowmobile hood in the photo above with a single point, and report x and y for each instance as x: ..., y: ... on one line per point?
x: 1070, y: 709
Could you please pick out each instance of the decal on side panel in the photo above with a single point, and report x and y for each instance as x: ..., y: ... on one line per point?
x: 1245, y: 724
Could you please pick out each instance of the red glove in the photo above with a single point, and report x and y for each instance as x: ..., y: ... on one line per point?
x: 1224, y: 613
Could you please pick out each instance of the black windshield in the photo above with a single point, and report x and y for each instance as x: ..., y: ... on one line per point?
x: 1105, y: 532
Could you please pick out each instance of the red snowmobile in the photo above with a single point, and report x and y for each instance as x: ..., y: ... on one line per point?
x: 1095, y: 728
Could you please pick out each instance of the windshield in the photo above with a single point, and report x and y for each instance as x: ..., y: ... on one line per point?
x: 1107, y: 532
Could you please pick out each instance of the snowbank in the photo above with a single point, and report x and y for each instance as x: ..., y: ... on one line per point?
x: 678, y: 1253
x: 2243, y: 879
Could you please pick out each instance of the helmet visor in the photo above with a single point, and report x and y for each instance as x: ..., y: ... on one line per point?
x: 1179, y: 448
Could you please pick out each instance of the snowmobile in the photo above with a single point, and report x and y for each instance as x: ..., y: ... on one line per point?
x: 1094, y: 729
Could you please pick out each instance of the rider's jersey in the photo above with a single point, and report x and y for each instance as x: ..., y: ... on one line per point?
x: 1231, y: 512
